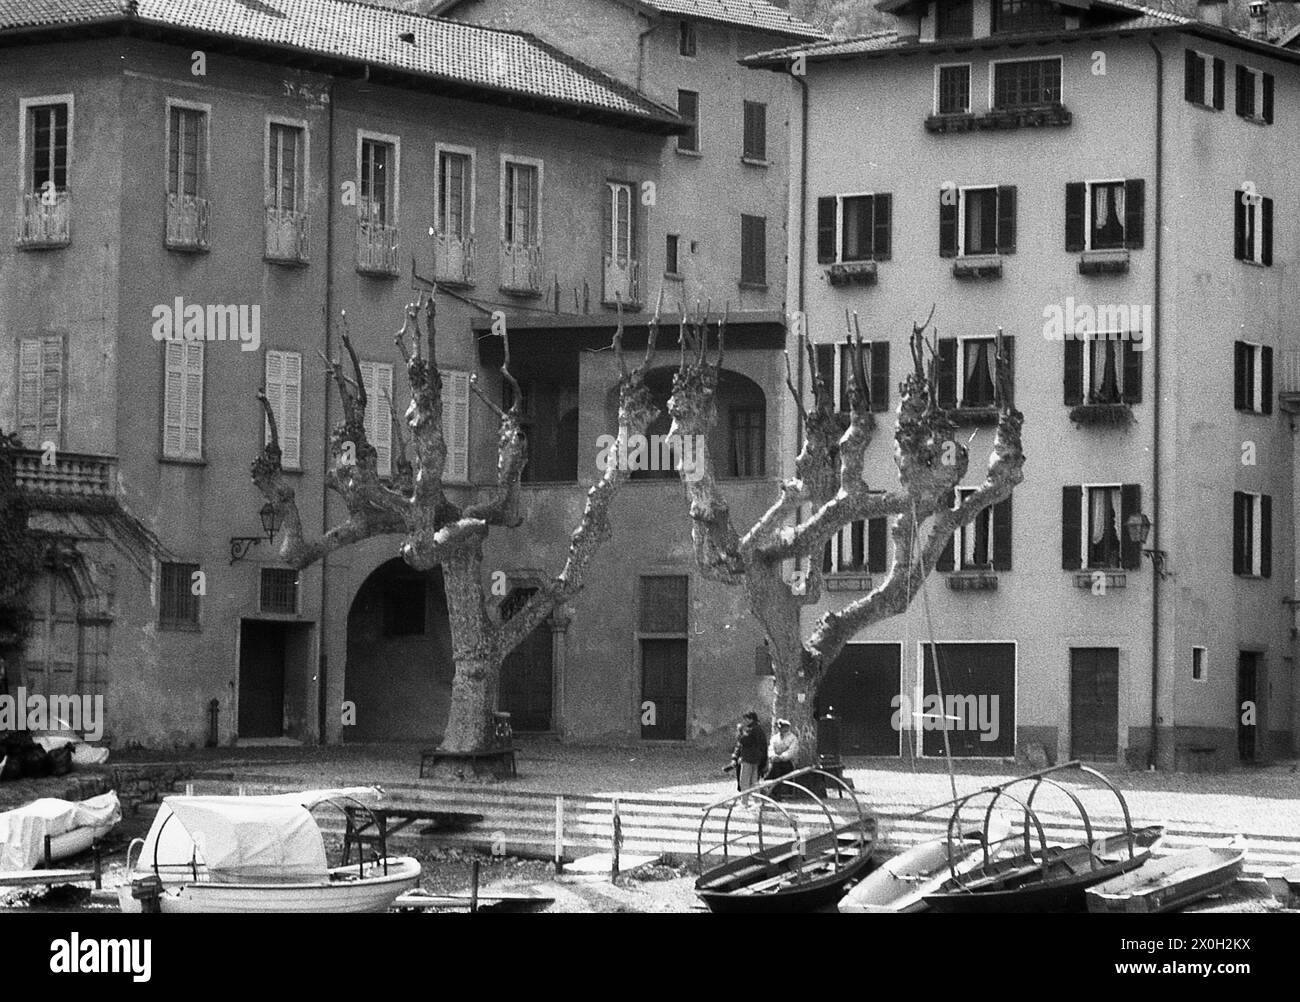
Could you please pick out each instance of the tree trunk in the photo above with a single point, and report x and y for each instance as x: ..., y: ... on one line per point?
x: 795, y: 679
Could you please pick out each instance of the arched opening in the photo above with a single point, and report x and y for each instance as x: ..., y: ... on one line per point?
x: 399, y: 667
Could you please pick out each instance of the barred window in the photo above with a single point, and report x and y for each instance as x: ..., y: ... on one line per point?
x: 177, y: 603
x: 279, y: 591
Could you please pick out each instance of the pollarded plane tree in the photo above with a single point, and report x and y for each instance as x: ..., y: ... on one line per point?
x: 829, y: 490
x: 414, y: 505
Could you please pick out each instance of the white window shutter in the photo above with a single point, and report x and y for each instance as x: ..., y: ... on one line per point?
x: 193, y: 433
x: 51, y: 389
x: 173, y: 398
x: 291, y: 421
x: 377, y: 378
x: 455, y: 426
x: 274, y: 394
x: 29, y: 392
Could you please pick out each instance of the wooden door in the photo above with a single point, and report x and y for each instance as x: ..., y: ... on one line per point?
x: 261, y: 680
x: 1094, y: 703
x: 527, y: 678
x: 979, y: 684
x: 663, y: 684
x: 863, y: 686
x: 1247, y: 704
x: 52, y: 656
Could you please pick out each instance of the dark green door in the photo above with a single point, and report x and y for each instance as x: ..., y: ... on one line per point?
x: 261, y: 680
x: 663, y: 690
x: 1094, y: 703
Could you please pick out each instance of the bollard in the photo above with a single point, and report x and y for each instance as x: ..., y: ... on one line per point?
x: 559, y: 834
x: 473, y: 889
x: 618, y: 841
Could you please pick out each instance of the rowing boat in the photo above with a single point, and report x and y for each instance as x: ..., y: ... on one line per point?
x: 1165, y: 885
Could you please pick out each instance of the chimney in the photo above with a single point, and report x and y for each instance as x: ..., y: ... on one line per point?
x: 1212, y: 11
x: 1259, y: 20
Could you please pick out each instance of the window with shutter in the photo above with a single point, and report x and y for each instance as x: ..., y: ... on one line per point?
x: 1252, y: 227
x: 1254, y: 94
x: 985, y: 542
x: 1103, y: 525
x: 688, y: 107
x: 40, y: 390
x: 946, y: 372
x: 858, y: 547
x: 1252, y: 377
x: 1252, y: 534
x: 754, y: 143
x: 836, y: 362
x: 284, y: 394
x: 455, y: 426
x: 977, y: 220
x: 827, y: 221
x: 854, y: 228
x: 178, y: 605
x: 183, y: 400
x: 753, y: 250
x: 377, y: 379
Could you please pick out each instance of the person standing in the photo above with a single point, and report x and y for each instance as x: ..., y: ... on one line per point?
x: 783, y: 753
x: 750, y: 754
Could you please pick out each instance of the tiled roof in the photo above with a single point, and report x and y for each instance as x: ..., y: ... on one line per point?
x: 486, y: 58
x: 749, y: 13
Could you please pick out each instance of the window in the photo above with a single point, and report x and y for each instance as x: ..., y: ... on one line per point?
x: 279, y: 590
x: 982, y: 544
x: 285, y: 155
x: 954, y: 19
x: 1203, y: 80
x: 858, y: 548
x: 178, y: 606
x: 1103, y: 370
x: 521, y: 204
x: 620, y: 226
x: 1252, y: 377
x: 1026, y: 83
x: 977, y: 221
x: 183, y: 400
x: 748, y: 442
x: 854, y: 228
x: 1252, y: 237
x: 664, y: 605
x: 671, y: 266
x: 47, y: 138
x: 952, y: 91
x: 377, y: 198
x: 834, y: 362
x: 979, y: 375
x: 1105, y: 215
x: 753, y: 250
x: 1198, y: 664
x: 187, y: 154
x: 455, y: 194
x: 1254, y: 94
x: 686, y: 41
x: 754, y: 146
x: 284, y: 394
x: 404, y: 605
x: 377, y: 379
x: 455, y: 426
x: 1252, y: 535
x: 1026, y: 15
x: 40, y: 390
x: 1093, y: 536
x: 688, y: 107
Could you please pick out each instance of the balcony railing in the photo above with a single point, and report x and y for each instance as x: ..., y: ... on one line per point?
x: 376, y: 248
x: 72, y: 478
x: 287, y: 234
x: 45, y: 222
x: 622, y: 276
x: 188, y: 221
x: 453, y: 258
x: 521, y: 269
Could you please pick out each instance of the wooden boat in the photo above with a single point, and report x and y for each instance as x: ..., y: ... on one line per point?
x: 49, y: 830
x: 1165, y: 885
x: 254, y: 854
x: 799, y: 875
x: 1053, y: 879
x: 900, y: 885
x: 1285, y: 885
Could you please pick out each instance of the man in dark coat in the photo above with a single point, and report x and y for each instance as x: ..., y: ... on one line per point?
x: 750, y: 754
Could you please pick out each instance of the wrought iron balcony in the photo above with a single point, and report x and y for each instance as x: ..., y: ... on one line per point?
x: 521, y: 269
x: 68, y: 481
x: 45, y: 220
x: 188, y: 223
x: 287, y: 235
x: 376, y: 248
x: 453, y: 258
x: 622, y: 281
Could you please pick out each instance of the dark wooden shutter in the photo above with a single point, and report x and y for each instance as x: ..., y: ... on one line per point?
x: 1073, y: 372
x: 1130, y: 503
x: 1266, y: 381
x: 876, y: 533
x: 881, y: 228
x: 826, y: 229
x: 1002, y: 535
x: 879, y: 375
x: 1132, y: 393
x: 825, y: 354
x: 1219, y: 74
x: 1135, y: 197
x: 1009, y: 346
x: 1239, y: 210
x: 1072, y: 527
x: 1240, y: 511
x: 1266, y: 249
x: 1006, y: 242
x: 1075, y: 193
x: 1242, y: 86
x: 947, y: 372
x: 948, y: 556
x: 1265, y: 535
x: 753, y: 250
x: 1191, y: 64
x: 1268, y: 98
x: 754, y: 142
x: 947, y: 223
x: 1241, y: 376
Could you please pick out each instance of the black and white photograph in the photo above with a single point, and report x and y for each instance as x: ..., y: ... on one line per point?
x: 720, y: 457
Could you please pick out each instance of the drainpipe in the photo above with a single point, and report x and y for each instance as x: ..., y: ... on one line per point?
x: 640, y: 52
x: 803, y: 230
x: 322, y: 696
x: 1154, y: 760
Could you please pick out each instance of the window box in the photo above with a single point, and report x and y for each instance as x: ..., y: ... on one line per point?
x: 45, y: 221
x: 950, y: 123
x: 847, y: 582
x: 1114, y: 579
x: 1104, y: 262
x: 973, y: 581
x: 1102, y: 415
x: 756, y: 162
x: 978, y: 266
x: 188, y: 223
x: 1043, y: 116
x: 974, y: 416
x: 852, y: 273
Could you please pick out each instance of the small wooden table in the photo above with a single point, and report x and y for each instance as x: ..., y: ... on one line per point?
x: 372, y: 826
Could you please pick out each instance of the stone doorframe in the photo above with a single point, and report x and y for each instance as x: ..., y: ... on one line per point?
x: 559, y: 620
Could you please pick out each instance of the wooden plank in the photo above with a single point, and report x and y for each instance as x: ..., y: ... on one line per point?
x: 36, y: 878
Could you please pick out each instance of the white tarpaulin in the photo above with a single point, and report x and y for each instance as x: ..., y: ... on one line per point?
x: 23, y: 830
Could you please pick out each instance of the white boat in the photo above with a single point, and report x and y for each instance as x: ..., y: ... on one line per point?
x: 900, y: 885
x: 256, y: 854
x: 71, y: 828
x: 1169, y: 883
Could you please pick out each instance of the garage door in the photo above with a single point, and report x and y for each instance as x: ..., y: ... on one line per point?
x: 979, y: 689
x: 862, y: 686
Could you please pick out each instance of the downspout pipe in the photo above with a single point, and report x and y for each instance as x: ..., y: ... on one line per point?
x: 803, y: 233
x: 1154, y: 755
x: 322, y: 680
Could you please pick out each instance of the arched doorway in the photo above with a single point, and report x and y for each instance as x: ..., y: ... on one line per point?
x: 52, y: 655
x: 399, y: 665
x: 528, y: 672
